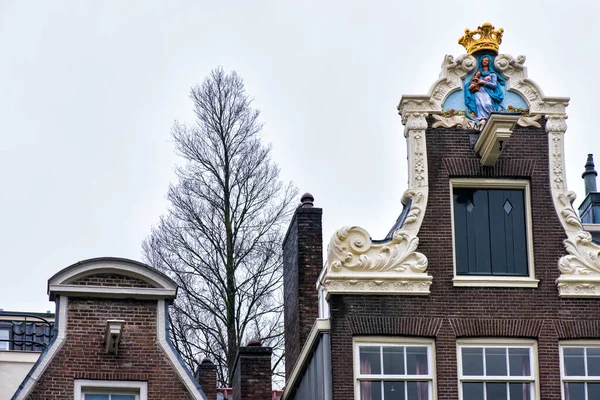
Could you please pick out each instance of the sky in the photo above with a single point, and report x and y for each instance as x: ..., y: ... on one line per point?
x: 89, y: 91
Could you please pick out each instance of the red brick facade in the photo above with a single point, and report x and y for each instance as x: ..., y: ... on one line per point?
x: 303, y: 260
x: 252, y: 374
x: 83, y: 356
x: 452, y: 312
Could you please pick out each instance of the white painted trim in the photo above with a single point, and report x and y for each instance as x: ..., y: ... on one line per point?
x: 161, y: 335
x: 591, y: 227
x: 494, y: 281
x: 582, y: 379
x: 320, y: 325
x: 111, y: 291
x: 490, y: 280
x: 117, y: 267
x: 82, y: 385
x: 57, y: 343
x: 400, y: 342
x: 500, y: 343
x: 17, y: 356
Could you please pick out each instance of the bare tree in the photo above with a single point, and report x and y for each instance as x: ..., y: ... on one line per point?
x: 221, y: 238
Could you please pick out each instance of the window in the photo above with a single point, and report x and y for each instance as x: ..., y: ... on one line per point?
x: 110, y: 390
x: 110, y: 396
x: 394, y: 369
x: 580, y: 371
x: 4, y: 337
x: 492, y: 235
x: 497, y: 371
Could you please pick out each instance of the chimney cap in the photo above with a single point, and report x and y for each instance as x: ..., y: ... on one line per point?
x: 254, y: 343
x: 307, y: 200
x: 207, y: 361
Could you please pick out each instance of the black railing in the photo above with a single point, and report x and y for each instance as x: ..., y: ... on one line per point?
x: 26, y: 332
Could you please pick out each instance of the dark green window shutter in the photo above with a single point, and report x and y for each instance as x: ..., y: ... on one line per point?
x: 489, y: 232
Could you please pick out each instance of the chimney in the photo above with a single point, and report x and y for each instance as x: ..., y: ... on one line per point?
x: 302, y: 264
x: 589, y: 210
x: 252, y: 373
x: 590, y: 174
x: 206, y: 375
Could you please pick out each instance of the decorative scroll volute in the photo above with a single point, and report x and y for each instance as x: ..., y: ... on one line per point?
x: 355, y: 264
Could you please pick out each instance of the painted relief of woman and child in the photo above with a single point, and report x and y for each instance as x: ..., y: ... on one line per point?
x: 484, y: 94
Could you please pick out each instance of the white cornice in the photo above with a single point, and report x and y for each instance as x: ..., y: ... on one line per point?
x: 112, y: 291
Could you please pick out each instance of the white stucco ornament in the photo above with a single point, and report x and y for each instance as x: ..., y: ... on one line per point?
x: 357, y: 264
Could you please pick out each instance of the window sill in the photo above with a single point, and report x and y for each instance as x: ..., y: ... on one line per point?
x: 496, y: 281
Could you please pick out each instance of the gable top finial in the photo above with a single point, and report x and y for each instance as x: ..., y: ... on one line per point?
x: 485, y: 37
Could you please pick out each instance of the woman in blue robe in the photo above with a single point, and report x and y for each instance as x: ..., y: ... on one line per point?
x: 486, y: 94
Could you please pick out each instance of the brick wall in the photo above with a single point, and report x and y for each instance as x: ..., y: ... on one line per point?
x: 252, y: 374
x: 111, y: 280
x: 303, y: 261
x: 207, y: 378
x: 454, y: 312
x: 83, y: 356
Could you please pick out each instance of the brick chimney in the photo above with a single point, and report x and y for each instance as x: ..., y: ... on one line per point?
x: 206, y: 375
x: 302, y: 263
x: 252, y: 373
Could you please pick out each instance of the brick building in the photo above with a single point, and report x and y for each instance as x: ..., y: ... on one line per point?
x: 488, y: 285
x: 109, y: 340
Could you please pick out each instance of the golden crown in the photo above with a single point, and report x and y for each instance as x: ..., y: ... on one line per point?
x: 483, y: 38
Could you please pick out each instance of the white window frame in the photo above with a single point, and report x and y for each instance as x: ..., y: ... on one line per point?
x: 88, y: 386
x: 581, y: 379
x: 499, y: 343
x: 399, y: 342
x: 492, y: 280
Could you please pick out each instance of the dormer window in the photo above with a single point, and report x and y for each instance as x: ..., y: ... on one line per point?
x: 492, y: 235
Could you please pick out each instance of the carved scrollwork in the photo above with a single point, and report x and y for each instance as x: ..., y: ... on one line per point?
x: 463, y: 64
x: 352, y: 248
x: 357, y: 264
x: 507, y: 64
x: 584, y: 255
x: 415, y: 121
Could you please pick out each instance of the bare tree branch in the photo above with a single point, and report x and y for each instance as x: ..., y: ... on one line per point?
x: 221, y: 237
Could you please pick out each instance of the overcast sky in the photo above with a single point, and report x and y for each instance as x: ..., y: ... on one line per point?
x: 89, y: 91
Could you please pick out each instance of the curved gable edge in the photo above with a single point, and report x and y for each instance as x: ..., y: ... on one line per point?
x: 184, y: 373
x: 161, y: 286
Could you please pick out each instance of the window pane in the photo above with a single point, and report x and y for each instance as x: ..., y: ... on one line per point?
x: 416, y: 361
x: 4, y: 335
x: 96, y: 397
x: 472, y: 361
x: 495, y: 362
x: 417, y: 390
x: 593, y: 391
x: 593, y: 361
x: 393, y: 390
x: 574, y: 361
x: 472, y: 390
x: 370, y: 361
x: 122, y: 397
x: 496, y: 391
x: 393, y: 360
x: 519, y: 362
x: 520, y: 391
x: 575, y: 391
x: 370, y: 390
